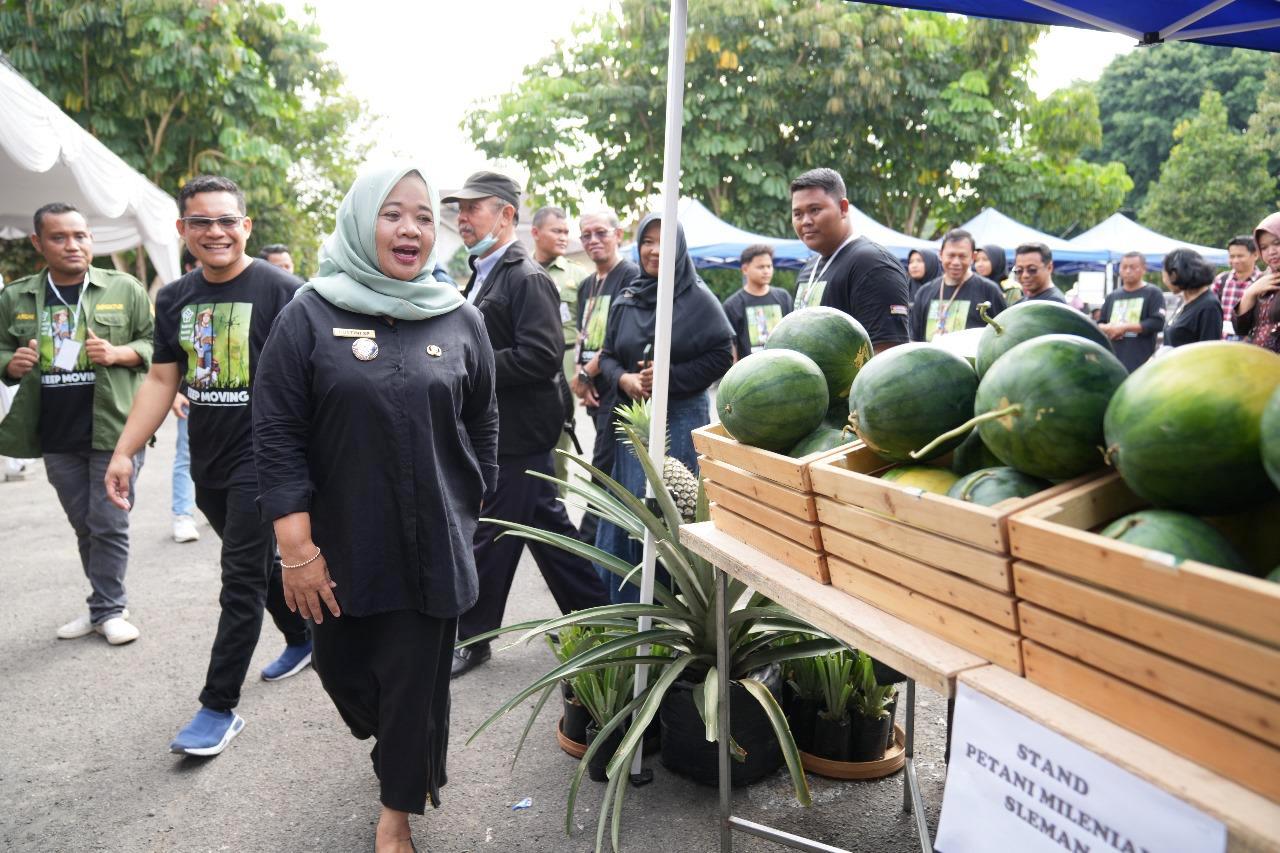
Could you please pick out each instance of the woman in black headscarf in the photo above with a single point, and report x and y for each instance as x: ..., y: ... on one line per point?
x: 923, y: 266
x: 990, y: 262
x: 701, y: 352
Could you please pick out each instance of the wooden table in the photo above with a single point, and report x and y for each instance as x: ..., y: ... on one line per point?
x: 918, y: 655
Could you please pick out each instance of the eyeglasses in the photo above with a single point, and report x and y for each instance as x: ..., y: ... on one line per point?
x: 598, y: 234
x: 204, y: 223
x: 1019, y: 272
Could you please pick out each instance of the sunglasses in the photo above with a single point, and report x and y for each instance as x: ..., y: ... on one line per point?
x: 598, y: 234
x: 204, y: 223
x: 1019, y: 272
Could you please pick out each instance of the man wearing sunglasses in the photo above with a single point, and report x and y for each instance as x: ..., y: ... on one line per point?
x: 601, y: 235
x: 211, y: 325
x: 1033, y: 269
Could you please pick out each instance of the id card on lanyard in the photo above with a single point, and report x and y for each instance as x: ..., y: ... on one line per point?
x: 67, y: 350
x: 816, y: 277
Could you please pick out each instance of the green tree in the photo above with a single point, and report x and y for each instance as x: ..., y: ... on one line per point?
x: 1145, y: 93
x: 179, y: 88
x: 1264, y: 124
x: 890, y: 98
x: 1036, y: 173
x: 1215, y: 183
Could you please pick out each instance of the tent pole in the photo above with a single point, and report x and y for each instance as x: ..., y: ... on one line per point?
x: 666, y: 294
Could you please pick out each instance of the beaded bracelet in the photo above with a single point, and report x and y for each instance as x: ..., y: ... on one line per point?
x: 306, y: 562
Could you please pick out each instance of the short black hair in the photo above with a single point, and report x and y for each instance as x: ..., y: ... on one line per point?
x: 1045, y: 253
x: 1135, y: 254
x: 959, y: 235
x: 1250, y: 245
x: 53, y: 208
x: 210, y: 184
x: 1187, y: 270
x: 542, y: 214
x: 827, y: 180
x: 189, y: 261
x: 754, y: 251
x: 273, y: 249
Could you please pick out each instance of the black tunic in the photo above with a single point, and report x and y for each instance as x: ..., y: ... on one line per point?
x: 390, y: 456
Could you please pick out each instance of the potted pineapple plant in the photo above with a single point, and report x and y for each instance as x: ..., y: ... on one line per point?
x: 872, y: 719
x: 831, y: 729
x: 682, y: 618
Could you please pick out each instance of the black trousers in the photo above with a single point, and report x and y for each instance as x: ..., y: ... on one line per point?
x: 388, y: 676
x: 528, y: 500
x: 601, y: 457
x: 250, y: 580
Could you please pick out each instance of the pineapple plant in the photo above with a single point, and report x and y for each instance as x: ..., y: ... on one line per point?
x: 678, y: 479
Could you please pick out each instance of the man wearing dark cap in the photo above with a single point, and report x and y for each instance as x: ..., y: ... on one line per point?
x: 521, y: 309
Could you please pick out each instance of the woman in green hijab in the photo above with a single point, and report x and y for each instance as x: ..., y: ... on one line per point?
x: 375, y: 431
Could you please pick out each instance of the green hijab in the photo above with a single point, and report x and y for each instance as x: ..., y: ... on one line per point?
x: 349, y: 275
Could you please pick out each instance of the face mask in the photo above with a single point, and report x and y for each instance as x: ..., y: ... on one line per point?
x: 486, y: 242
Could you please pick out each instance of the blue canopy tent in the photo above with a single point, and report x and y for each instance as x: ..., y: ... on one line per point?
x: 992, y: 226
x: 1118, y: 234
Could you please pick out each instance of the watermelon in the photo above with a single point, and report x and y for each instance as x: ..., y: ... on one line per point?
x: 1178, y: 533
x: 1184, y: 430
x: 973, y: 455
x: 907, y: 395
x: 1040, y: 410
x: 822, y: 438
x: 771, y: 399
x: 928, y: 478
x: 1029, y: 320
x: 990, y: 486
x: 1271, y: 438
x: 836, y: 342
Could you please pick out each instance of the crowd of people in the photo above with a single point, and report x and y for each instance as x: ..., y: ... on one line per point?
x: 344, y: 436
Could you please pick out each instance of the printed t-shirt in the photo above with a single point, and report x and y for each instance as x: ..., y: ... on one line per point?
x: 956, y: 310
x: 1144, y: 305
x: 864, y: 281
x: 66, y: 395
x: 754, y: 318
x: 214, y: 333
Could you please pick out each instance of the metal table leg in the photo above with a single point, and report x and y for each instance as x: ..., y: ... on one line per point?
x: 722, y: 667
x: 911, y: 797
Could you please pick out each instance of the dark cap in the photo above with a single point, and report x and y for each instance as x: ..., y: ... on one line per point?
x: 486, y: 184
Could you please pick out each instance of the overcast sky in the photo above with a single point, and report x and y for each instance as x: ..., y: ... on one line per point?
x: 421, y: 65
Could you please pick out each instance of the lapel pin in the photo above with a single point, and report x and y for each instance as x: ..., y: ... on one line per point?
x: 365, y: 349
x: 434, y: 351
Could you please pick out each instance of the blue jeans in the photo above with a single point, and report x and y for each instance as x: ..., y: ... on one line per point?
x: 683, y: 417
x: 184, y: 491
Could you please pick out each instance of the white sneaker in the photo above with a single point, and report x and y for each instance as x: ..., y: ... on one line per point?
x: 81, y: 626
x: 118, y: 630
x: 184, y: 529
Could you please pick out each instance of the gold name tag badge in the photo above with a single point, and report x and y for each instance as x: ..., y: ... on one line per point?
x: 354, y: 333
x: 113, y: 307
x: 25, y: 317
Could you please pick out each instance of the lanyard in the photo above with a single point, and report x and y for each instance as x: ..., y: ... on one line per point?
x: 817, y: 274
x: 591, y: 305
x: 75, y: 311
x: 941, y: 328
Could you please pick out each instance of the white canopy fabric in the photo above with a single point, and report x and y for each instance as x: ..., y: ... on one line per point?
x: 992, y: 226
x: 45, y: 156
x: 895, y: 241
x: 1118, y: 234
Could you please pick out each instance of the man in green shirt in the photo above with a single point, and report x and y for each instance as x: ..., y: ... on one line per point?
x: 550, y: 232
x: 76, y: 339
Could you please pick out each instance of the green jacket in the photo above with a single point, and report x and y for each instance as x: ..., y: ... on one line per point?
x: 118, y: 311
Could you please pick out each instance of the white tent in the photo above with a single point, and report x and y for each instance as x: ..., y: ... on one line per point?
x: 895, y: 241
x: 45, y: 156
x: 992, y: 226
x: 1118, y: 234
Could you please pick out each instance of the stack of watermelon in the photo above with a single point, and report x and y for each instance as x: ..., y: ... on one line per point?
x: 1196, y: 433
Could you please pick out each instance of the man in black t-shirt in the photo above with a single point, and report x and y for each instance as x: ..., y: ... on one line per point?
x: 756, y: 309
x: 850, y: 273
x: 950, y: 303
x: 211, y: 324
x: 1133, y: 315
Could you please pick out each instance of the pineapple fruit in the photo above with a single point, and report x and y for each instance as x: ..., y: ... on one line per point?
x: 678, y: 479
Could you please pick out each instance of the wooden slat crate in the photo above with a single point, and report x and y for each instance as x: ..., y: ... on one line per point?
x: 764, y: 499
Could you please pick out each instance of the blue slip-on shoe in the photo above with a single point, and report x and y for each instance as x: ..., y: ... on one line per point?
x: 292, y: 661
x: 208, y: 733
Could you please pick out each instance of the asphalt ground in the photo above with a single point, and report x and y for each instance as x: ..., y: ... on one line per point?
x: 84, y: 729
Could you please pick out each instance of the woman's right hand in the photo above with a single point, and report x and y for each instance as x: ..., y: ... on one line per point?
x: 633, y: 385
x: 307, y: 586
x: 1266, y: 283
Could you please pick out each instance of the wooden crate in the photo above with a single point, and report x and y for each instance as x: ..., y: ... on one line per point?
x: 714, y: 441
x: 1057, y: 534
x: 1218, y: 746
x: 808, y: 561
x: 850, y: 477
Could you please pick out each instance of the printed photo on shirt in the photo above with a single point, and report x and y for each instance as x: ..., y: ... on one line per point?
x: 954, y: 320
x: 810, y: 296
x: 597, y: 319
x: 761, y: 321
x: 1126, y: 311
x: 216, y: 339
x: 55, y: 332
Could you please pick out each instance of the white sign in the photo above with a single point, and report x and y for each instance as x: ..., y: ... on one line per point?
x: 1015, y: 785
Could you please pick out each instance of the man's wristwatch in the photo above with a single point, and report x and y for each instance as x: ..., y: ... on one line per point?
x: 584, y: 377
